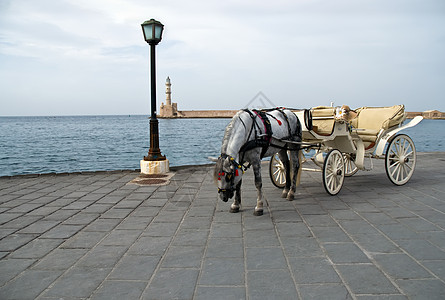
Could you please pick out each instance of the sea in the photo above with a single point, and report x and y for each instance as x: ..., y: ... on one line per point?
x: 61, y: 144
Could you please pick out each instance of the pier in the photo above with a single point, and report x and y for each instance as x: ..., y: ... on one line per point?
x: 98, y: 236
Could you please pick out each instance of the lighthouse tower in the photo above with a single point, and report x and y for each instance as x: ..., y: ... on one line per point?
x: 168, y: 92
x: 169, y: 109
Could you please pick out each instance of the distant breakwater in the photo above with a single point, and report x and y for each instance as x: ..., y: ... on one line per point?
x: 205, y: 114
x: 227, y: 114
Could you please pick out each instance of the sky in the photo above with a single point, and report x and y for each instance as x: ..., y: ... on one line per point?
x: 88, y: 57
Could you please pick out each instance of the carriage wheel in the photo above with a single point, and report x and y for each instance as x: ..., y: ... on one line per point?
x: 333, y: 172
x: 350, y: 167
x: 277, y: 171
x: 400, y: 159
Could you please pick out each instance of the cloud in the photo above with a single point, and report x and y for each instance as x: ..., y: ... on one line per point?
x: 219, y: 54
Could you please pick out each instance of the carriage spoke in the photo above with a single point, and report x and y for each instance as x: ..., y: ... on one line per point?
x: 406, y: 147
x: 282, y: 178
x: 335, y: 181
x: 330, y: 180
x: 338, y: 167
x: 277, y: 177
x: 401, y: 147
x: 397, y: 172
x: 405, y: 171
x: 277, y: 173
x: 395, y: 167
x: 331, y: 184
x: 329, y: 175
x: 396, y: 149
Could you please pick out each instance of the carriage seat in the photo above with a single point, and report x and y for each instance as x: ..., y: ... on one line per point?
x: 323, y: 119
x: 370, y: 120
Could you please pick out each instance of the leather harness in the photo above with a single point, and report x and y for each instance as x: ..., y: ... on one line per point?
x: 264, y: 140
x: 261, y: 140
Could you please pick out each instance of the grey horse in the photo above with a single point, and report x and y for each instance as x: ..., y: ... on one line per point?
x: 250, y: 136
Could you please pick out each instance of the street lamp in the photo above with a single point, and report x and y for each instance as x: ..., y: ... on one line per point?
x: 154, y: 162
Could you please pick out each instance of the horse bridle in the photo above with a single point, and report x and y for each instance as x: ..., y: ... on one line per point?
x: 229, y: 176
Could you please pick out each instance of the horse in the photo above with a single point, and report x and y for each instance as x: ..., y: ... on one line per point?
x: 250, y: 136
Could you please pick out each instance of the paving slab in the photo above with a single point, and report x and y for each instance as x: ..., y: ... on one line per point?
x: 95, y: 235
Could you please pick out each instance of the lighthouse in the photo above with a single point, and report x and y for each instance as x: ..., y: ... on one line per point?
x: 169, y: 109
x: 168, y: 92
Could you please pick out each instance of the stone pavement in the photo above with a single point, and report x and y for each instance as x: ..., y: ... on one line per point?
x: 95, y: 236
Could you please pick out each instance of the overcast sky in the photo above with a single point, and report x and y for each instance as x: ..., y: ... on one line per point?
x: 84, y: 57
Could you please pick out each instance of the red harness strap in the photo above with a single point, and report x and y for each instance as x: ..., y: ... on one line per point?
x: 267, y: 126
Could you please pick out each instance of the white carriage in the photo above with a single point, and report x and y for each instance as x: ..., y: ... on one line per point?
x: 340, y: 139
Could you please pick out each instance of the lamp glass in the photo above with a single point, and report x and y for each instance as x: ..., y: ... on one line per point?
x: 152, y: 31
x: 148, y: 32
x: 158, y: 32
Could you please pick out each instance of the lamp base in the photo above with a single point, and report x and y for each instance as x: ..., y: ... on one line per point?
x: 155, y: 166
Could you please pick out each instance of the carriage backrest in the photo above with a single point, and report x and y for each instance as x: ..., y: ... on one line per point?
x: 323, y: 119
x: 376, y: 118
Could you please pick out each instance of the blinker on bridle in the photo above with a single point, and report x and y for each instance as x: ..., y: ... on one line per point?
x: 229, y: 176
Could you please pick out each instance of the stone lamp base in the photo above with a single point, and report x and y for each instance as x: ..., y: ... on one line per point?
x: 155, y: 167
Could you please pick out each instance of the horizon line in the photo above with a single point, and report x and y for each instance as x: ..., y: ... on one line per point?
x: 148, y: 114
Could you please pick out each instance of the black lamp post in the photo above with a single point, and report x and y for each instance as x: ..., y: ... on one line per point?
x: 152, y: 30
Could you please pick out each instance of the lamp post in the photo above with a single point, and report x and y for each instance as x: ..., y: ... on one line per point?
x: 154, y: 162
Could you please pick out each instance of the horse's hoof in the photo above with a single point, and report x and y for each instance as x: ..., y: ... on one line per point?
x: 234, y: 210
x: 284, y: 193
x: 290, y: 197
x: 258, y: 212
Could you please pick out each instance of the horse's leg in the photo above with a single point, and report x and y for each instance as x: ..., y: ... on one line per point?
x: 282, y: 154
x: 295, y: 160
x: 234, y: 208
x: 258, y: 184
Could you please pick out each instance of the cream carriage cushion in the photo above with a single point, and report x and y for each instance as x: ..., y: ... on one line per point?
x: 323, y: 119
x: 371, y: 120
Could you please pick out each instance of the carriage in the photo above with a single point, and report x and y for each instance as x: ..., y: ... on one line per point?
x: 338, y: 140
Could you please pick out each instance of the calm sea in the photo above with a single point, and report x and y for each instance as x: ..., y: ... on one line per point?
x: 31, y: 145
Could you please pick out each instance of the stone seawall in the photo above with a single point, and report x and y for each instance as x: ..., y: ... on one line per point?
x: 433, y: 115
x: 212, y: 114
x: 190, y: 114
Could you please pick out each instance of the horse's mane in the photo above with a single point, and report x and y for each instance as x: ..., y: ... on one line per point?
x: 228, y: 132
x: 225, y: 143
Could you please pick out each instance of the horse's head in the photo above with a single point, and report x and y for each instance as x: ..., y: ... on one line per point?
x: 227, y: 175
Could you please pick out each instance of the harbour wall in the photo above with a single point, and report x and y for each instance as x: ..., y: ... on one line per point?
x: 211, y: 114
x: 194, y: 114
